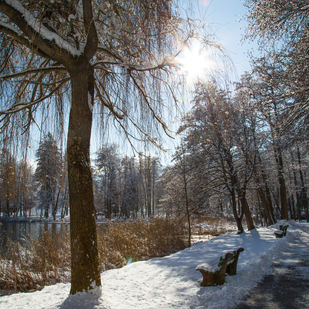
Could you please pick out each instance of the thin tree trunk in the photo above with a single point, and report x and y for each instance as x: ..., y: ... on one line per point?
x: 260, y: 210
x: 187, y: 205
x: 303, y: 194
x: 246, y: 210
x: 238, y: 218
x: 84, y: 252
x: 268, y: 194
x: 282, y: 186
x: 265, y: 203
x: 56, y: 206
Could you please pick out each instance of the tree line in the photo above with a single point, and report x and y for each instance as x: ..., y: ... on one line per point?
x: 124, y: 187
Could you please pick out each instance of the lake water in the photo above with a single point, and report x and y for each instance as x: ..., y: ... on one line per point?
x: 21, y: 231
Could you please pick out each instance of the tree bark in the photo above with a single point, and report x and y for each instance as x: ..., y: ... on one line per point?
x: 238, y: 218
x: 85, y: 273
x: 246, y: 210
x: 187, y: 205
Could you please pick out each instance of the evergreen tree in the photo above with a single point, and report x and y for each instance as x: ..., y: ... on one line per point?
x: 47, y: 174
x: 108, y: 163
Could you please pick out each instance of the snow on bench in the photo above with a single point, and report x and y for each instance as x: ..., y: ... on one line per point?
x: 282, y: 231
x: 214, y: 271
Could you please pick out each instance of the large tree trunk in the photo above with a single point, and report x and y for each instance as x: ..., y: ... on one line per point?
x: 85, y: 272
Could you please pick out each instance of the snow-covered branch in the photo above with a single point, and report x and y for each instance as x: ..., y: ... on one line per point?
x: 47, y: 41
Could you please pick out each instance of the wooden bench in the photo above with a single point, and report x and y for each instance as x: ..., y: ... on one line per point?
x: 214, y: 272
x: 282, y: 230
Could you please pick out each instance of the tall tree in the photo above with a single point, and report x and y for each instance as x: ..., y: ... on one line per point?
x: 130, y: 188
x: 281, y: 28
x: 111, y: 52
x: 267, y: 94
x: 214, y: 129
x: 108, y: 163
x: 48, y: 173
x: 8, y: 182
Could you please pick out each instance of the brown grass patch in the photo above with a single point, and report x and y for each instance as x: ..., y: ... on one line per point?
x: 139, y: 240
x: 46, y: 260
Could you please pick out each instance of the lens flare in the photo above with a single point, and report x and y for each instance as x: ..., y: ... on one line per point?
x: 129, y: 260
x: 205, y: 2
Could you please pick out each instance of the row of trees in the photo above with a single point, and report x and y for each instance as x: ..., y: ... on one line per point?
x: 123, y: 186
x: 249, y: 149
x: 126, y: 185
x: 232, y: 154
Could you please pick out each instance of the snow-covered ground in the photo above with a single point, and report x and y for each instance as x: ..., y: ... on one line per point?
x: 172, y: 281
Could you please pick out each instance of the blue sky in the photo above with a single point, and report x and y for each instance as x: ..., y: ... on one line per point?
x: 226, y: 19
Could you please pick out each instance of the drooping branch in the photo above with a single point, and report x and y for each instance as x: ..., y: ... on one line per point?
x: 141, y: 89
x: 21, y: 106
x: 33, y: 71
x: 106, y: 103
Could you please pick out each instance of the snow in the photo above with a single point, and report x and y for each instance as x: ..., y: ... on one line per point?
x: 172, y: 281
x: 43, y: 31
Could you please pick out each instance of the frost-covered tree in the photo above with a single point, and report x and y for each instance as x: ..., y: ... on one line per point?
x: 108, y: 164
x: 8, y: 182
x: 148, y: 173
x: 47, y: 174
x: 26, y: 188
x: 130, y: 183
x: 217, y: 134
x: 281, y: 28
x: 267, y: 94
x: 89, y: 53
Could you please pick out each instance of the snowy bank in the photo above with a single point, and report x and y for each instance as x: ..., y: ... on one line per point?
x: 172, y: 281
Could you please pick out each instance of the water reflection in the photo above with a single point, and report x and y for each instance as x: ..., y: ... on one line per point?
x: 23, y: 231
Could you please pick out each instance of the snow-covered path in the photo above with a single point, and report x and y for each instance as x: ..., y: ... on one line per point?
x: 287, y: 286
x: 172, y: 281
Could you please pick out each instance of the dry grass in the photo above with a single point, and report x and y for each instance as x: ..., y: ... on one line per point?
x: 139, y: 240
x: 46, y: 260
x: 36, y: 263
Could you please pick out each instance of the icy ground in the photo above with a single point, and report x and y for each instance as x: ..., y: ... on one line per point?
x: 172, y: 281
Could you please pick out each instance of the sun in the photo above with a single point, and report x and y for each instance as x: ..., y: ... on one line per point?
x: 195, y: 62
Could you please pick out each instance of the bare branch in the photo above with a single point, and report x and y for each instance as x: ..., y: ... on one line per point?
x: 19, y: 107
x: 109, y: 105
x: 34, y: 71
x: 155, y: 115
x: 17, y: 35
